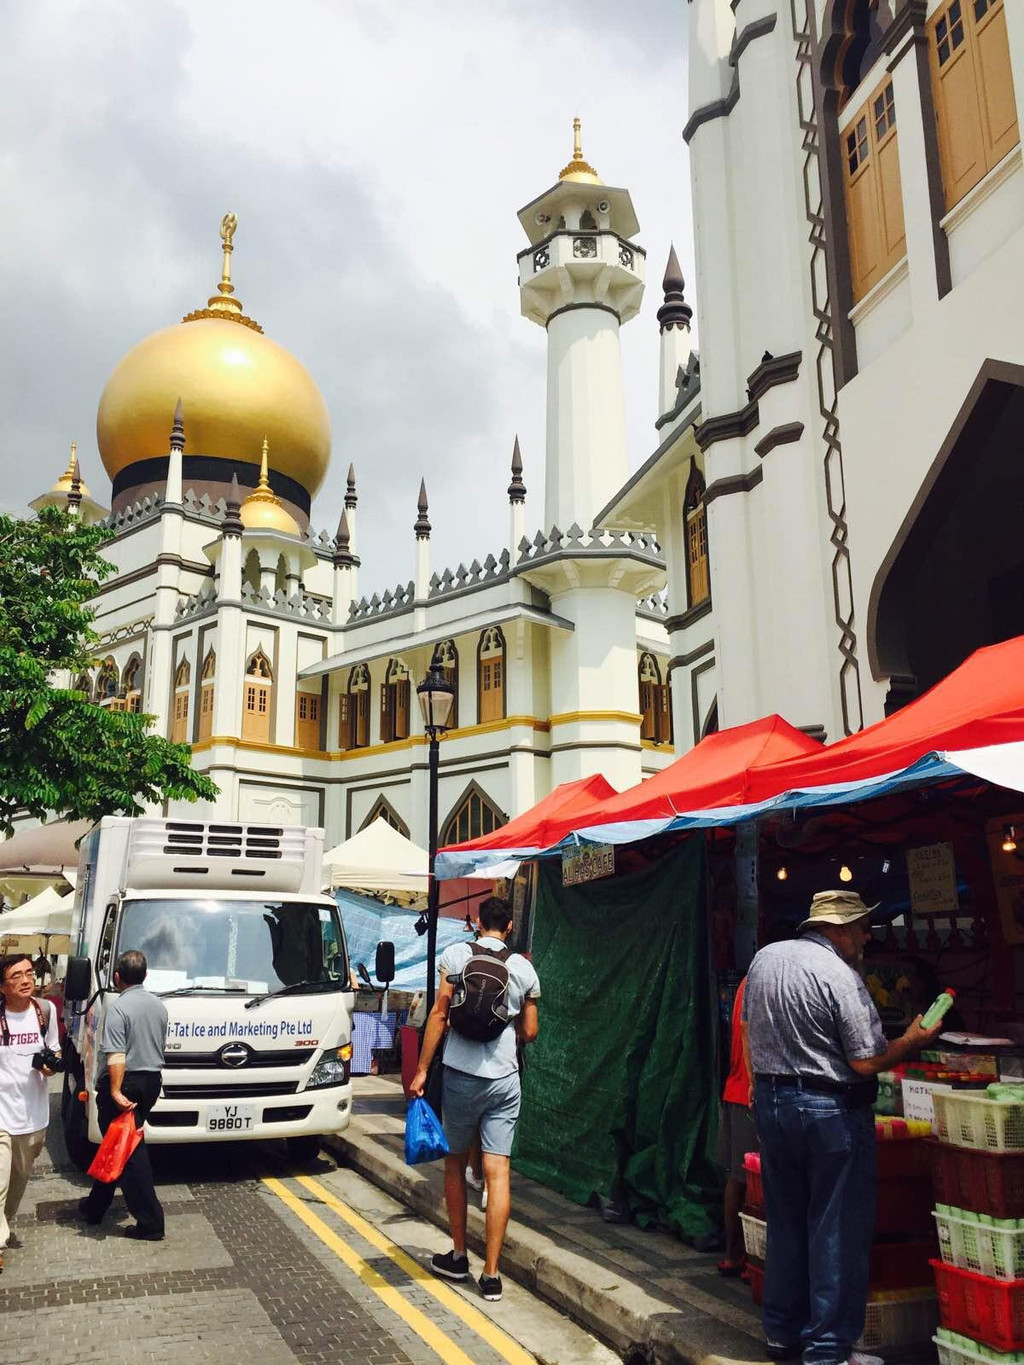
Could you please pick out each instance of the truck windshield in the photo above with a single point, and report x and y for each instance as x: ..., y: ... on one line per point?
x: 244, y: 946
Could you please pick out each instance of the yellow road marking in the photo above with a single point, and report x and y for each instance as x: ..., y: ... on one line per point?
x: 419, y: 1322
x: 481, y: 1324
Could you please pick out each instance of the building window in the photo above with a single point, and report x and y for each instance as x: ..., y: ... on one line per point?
x: 975, y: 107
x: 281, y: 575
x: 394, y: 702
x: 446, y: 657
x: 354, y: 718
x: 207, y: 683
x: 83, y: 683
x: 874, y: 194
x: 655, y: 702
x: 251, y: 572
x: 131, y: 684
x: 698, y: 579
x: 382, y: 809
x: 179, y: 718
x: 106, y: 681
x: 307, y: 720
x: 491, y: 675
x: 256, y: 698
x: 473, y: 816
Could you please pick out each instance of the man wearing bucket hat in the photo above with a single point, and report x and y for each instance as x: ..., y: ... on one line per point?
x: 815, y: 1046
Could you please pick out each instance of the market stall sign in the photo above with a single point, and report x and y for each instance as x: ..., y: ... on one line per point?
x: 931, y: 872
x: 587, y: 863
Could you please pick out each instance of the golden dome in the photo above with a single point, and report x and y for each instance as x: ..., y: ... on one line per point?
x: 263, y: 510
x: 578, y: 169
x: 63, y: 485
x: 236, y: 385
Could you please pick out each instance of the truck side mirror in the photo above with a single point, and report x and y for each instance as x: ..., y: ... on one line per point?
x: 78, y: 979
x: 384, y: 970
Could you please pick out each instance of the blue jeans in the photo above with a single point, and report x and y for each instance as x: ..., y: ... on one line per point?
x: 818, y: 1164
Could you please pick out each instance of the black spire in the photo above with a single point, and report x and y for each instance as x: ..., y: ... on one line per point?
x: 422, y: 526
x: 675, y: 311
x: 75, y: 491
x: 178, y: 429
x: 232, y: 523
x: 350, y: 491
x: 343, y: 556
x: 517, y: 489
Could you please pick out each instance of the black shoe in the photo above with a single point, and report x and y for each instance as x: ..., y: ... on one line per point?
x: 141, y: 1234
x: 490, y: 1287
x: 84, y: 1211
x: 774, y: 1352
x: 449, y: 1265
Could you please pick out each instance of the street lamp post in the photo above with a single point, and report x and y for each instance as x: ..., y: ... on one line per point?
x: 436, y: 696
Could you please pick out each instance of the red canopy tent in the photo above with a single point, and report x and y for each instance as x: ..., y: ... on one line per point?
x: 548, y: 821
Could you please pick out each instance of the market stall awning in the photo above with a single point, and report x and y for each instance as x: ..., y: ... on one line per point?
x: 49, y: 848
x: 379, y: 859
x: 47, y: 917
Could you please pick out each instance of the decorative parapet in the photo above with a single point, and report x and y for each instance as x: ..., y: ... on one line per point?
x: 655, y: 607
x: 144, y: 510
x: 198, y: 604
x: 320, y: 542
x: 371, y: 609
x: 576, y: 542
x: 119, y: 633
x: 300, y: 604
x: 490, y: 571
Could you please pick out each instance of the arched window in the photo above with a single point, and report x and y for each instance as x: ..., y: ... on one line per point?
x: 446, y: 657
x: 257, y: 698
x: 83, y: 683
x: 281, y: 575
x: 131, y: 683
x: 251, y: 572
x: 588, y: 223
x: 207, y: 683
x: 655, y: 702
x: 853, y: 33
x: 490, y: 670
x: 394, y: 702
x: 382, y: 809
x: 106, y: 681
x: 308, y: 710
x: 474, y: 815
x: 179, y: 719
x: 698, y: 580
x: 354, y: 719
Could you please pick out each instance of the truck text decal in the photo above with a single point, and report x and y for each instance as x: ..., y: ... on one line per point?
x: 237, y: 1028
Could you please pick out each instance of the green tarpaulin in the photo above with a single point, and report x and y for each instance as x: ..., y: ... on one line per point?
x: 619, y: 1092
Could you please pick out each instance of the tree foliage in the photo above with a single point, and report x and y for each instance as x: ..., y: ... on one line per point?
x: 59, y: 752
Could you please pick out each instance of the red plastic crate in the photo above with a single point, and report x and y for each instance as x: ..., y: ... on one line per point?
x: 984, y: 1182
x: 902, y: 1265
x: 905, y: 1206
x: 903, y: 1159
x: 756, y: 1282
x: 991, y: 1311
x: 755, y: 1189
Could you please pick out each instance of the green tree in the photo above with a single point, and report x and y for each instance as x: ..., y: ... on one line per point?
x: 60, y: 753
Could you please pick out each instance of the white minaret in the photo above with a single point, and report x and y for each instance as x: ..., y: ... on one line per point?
x: 516, y: 504
x: 580, y: 278
x: 422, y: 529
x: 674, y: 317
x: 345, y: 566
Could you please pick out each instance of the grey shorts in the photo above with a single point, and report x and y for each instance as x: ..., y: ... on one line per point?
x: 479, y: 1102
x: 736, y: 1137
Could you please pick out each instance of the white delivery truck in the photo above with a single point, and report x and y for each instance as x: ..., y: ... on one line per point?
x: 250, y: 958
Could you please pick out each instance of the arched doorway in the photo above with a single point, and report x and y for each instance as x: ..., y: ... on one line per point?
x: 953, y: 580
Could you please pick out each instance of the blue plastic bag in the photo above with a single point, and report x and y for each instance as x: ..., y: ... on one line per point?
x: 424, y: 1136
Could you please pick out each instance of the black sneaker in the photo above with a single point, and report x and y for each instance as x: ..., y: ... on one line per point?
x: 139, y: 1234
x: 490, y: 1287
x: 84, y: 1210
x: 449, y: 1265
x: 774, y: 1352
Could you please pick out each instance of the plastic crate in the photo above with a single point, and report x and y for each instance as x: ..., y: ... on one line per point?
x: 965, y: 1352
x: 756, y: 1274
x: 901, y: 1265
x: 901, y: 1318
x: 988, y: 1310
x: 755, y: 1232
x: 903, y: 1159
x: 905, y: 1205
x: 972, y: 1120
x: 981, y: 1247
x: 755, y: 1188
x: 984, y: 1182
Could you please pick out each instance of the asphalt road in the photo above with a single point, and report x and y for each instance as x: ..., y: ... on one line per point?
x: 264, y: 1263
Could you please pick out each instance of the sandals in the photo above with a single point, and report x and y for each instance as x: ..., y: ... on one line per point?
x: 732, y: 1270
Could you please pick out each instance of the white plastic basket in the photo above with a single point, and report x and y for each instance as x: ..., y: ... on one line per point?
x: 973, y: 1120
x: 993, y: 1251
x: 755, y: 1235
x: 905, y: 1317
x: 957, y: 1353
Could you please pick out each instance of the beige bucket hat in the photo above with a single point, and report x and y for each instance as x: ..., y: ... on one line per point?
x: 836, y: 907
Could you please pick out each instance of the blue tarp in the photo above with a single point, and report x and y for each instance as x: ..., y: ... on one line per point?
x: 369, y: 922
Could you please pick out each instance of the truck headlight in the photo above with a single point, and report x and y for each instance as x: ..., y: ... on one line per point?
x: 332, y: 1068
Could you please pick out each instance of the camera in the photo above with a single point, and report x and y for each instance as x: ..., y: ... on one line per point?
x: 48, y: 1058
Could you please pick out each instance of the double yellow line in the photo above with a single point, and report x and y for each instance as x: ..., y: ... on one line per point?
x: 428, y: 1331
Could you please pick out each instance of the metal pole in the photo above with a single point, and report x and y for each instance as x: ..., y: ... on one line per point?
x: 432, y: 890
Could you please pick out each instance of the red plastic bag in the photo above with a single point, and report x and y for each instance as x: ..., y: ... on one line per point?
x: 119, y: 1141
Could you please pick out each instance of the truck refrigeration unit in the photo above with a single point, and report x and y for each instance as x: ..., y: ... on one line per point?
x: 250, y: 958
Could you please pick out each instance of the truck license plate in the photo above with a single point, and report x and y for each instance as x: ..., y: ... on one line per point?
x: 230, y: 1118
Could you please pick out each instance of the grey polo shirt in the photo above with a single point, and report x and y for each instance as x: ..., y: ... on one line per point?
x: 808, y: 1013
x: 135, y: 1023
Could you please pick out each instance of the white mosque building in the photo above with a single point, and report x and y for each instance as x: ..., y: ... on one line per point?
x: 829, y: 524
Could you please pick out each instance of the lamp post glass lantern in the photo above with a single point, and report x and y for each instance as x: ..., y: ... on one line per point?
x: 436, y: 696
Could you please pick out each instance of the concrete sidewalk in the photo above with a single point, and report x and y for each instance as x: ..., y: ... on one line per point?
x: 640, y: 1291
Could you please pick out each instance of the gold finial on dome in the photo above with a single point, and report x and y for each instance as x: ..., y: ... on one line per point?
x: 578, y: 169
x: 223, y: 304
x: 66, y: 481
x: 263, y: 510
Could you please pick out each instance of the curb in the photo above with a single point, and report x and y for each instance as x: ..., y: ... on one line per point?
x: 635, y: 1323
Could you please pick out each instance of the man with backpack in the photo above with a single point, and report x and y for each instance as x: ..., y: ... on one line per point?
x: 487, y: 1002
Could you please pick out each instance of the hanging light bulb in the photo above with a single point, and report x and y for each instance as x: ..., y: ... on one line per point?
x: 1009, y: 840
x: 845, y: 875
x: 782, y: 874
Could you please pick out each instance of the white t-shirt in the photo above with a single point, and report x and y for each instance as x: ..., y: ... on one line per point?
x: 24, y: 1099
x: 498, y: 1057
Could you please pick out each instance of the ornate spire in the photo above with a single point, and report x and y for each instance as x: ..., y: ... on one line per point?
x: 263, y: 510
x: 350, y: 491
x: 178, y: 428
x: 578, y: 169
x: 422, y: 526
x: 232, y: 523
x: 343, y: 556
x: 75, y: 491
x: 223, y: 304
x: 517, y: 489
x: 675, y: 311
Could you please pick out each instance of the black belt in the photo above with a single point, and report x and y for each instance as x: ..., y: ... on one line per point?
x: 857, y: 1095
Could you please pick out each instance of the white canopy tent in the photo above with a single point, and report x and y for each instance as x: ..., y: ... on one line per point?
x: 380, y: 861
x: 43, y: 921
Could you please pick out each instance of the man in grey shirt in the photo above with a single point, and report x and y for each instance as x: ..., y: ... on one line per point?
x: 814, y: 1045
x: 129, y: 1062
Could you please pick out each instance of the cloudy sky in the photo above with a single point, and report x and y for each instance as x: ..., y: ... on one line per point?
x: 376, y: 153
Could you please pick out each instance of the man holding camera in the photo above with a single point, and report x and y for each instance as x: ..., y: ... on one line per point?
x: 28, y: 1055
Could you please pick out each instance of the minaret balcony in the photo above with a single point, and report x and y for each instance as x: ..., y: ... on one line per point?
x: 580, y: 267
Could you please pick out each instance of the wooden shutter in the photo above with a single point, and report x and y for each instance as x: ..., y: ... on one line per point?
x: 179, y: 729
x: 451, y: 676
x: 874, y: 192
x: 206, y: 711
x: 648, y: 728
x: 307, y: 721
x: 663, y: 714
x: 363, y: 718
x: 387, y: 713
x: 345, y: 721
x: 887, y: 170
x: 256, y: 712
x: 402, y: 709
x: 992, y: 51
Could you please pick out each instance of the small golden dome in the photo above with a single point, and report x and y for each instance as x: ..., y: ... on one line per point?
x: 263, y: 510
x: 578, y: 169
x: 63, y: 485
x: 236, y: 386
